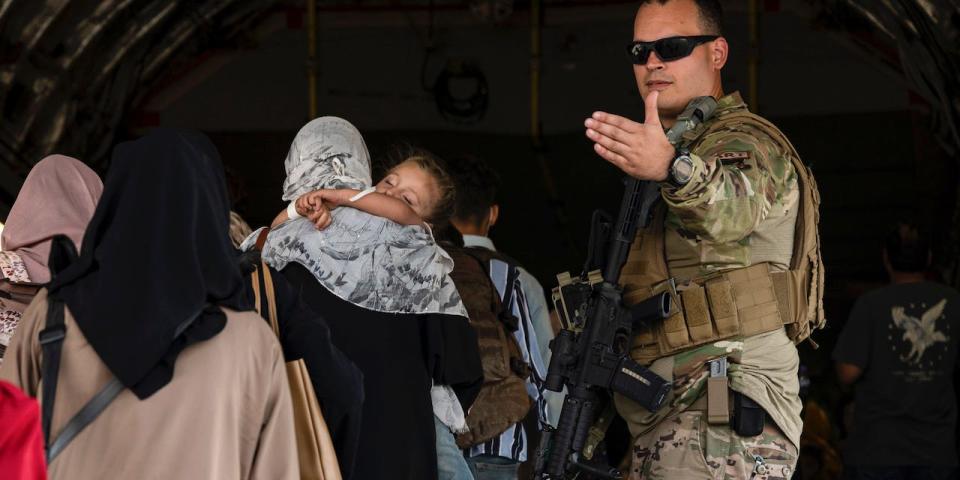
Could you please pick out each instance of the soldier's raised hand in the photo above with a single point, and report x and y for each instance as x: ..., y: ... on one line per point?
x: 641, y: 150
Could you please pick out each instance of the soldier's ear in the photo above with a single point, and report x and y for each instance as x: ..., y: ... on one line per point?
x: 719, y: 52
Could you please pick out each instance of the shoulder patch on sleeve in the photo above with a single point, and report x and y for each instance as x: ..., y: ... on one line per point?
x: 732, y: 156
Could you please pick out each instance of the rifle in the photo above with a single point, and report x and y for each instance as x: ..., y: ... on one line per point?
x: 590, y: 355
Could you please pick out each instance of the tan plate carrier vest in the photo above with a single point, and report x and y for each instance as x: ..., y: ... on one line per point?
x: 735, y: 303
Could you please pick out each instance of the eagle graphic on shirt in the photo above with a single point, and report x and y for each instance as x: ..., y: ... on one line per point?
x: 920, y: 332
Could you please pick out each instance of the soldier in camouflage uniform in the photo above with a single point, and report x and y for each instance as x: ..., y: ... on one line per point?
x: 735, y: 205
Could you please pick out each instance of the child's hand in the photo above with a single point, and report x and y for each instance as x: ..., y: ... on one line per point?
x: 328, y: 198
x: 308, y: 202
x: 320, y: 217
x: 316, y: 206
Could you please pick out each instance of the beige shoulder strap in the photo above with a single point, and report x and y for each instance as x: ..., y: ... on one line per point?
x: 271, y: 298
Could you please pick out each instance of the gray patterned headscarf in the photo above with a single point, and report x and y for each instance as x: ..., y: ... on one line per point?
x: 364, y: 259
x: 328, y: 152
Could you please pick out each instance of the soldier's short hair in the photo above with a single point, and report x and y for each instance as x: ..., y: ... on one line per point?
x: 908, y: 249
x: 476, y: 185
x: 711, y: 14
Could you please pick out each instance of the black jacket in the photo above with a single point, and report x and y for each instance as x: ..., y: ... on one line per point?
x: 401, y: 355
x: 337, y: 381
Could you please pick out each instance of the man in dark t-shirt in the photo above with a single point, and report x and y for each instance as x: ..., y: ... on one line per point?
x: 899, y: 348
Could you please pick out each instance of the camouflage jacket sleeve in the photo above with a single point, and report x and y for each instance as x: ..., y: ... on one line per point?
x: 738, y: 176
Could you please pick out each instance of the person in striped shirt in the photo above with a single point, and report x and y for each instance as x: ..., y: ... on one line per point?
x: 476, y: 212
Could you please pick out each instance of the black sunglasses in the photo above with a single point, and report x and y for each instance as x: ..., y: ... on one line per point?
x: 668, y: 49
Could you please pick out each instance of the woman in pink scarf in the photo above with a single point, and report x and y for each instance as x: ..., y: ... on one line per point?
x: 58, y: 197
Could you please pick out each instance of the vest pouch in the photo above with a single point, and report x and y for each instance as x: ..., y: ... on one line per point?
x: 720, y: 296
x: 790, y: 299
x: 755, y: 298
x: 697, y: 313
x: 672, y: 332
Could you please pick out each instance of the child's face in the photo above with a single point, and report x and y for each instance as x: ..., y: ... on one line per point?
x: 413, y: 185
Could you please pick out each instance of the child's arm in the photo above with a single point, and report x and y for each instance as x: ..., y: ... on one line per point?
x: 319, y: 214
x: 373, y: 203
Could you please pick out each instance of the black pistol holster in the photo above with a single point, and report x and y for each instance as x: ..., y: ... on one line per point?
x: 748, y: 416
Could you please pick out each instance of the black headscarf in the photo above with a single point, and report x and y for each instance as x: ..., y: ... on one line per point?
x: 156, y: 260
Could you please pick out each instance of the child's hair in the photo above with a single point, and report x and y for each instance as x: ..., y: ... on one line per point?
x: 438, y: 170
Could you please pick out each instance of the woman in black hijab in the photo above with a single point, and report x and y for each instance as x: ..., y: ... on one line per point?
x: 158, y: 294
x: 158, y: 250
